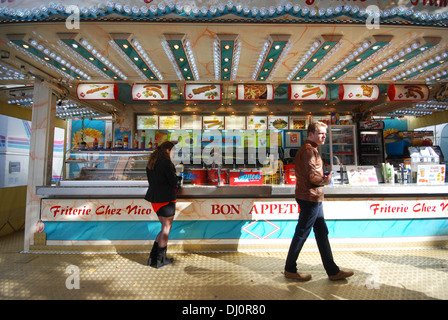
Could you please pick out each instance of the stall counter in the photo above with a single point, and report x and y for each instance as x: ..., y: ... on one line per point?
x: 236, y: 218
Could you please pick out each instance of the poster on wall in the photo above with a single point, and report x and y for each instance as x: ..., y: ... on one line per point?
x: 145, y: 122
x: 191, y: 122
x: 203, y: 92
x: 97, y: 91
x: 257, y: 122
x: 169, y: 122
x: 87, y: 131
x: 213, y: 122
x: 150, y: 92
x: 254, y: 92
x: 408, y: 92
x: 352, y: 92
x: 235, y: 122
x: 278, y: 122
x: 307, y: 92
x: 298, y: 123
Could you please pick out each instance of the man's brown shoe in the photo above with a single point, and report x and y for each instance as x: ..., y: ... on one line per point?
x: 298, y: 276
x: 341, y: 275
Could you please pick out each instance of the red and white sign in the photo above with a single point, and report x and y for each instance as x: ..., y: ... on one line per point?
x: 371, y: 125
x: 245, y: 178
x: 307, y: 92
x: 151, y: 92
x: 203, y: 92
x: 97, y: 91
x: 408, y: 92
x: 239, y: 209
x: 354, y: 92
x: 254, y: 92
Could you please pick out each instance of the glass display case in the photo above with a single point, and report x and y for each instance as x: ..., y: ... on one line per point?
x: 105, y: 166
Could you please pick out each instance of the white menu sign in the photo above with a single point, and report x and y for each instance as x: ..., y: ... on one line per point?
x: 97, y: 91
x: 364, y: 92
x: 153, y: 92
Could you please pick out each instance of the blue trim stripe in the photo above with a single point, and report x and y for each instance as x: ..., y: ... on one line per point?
x: 144, y: 230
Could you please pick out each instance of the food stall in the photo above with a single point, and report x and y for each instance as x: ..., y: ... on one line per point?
x: 236, y: 88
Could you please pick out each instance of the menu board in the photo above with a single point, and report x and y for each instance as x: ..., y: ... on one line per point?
x: 352, y: 92
x: 408, y: 92
x: 256, y: 122
x: 203, y: 92
x: 150, y: 92
x: 169, y: 122
x: 212, y: 122
x: 97, y: 91
x: 254, y: 92
x: 235, y: 122
x: 362, y: 175
x: 147, y: 122
x: 297, y: 123
x: 191, y: 122
x: 278, y: 122
x: 431, y: 174
x: 307, y: 92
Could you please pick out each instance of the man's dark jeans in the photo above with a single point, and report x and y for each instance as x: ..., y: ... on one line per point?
x: 311, y: 216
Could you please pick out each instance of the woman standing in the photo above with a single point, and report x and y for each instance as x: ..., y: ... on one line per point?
x: 163, y: 184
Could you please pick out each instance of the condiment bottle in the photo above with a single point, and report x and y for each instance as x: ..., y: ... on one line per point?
x: 126, y: 142
x: 142, y: 143
x: 135, y: 141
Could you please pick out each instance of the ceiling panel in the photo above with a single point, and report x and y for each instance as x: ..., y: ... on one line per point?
x: 136, y: 52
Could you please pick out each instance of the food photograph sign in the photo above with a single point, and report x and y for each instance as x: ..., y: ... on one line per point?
x: 307, y: 92
x: 255, y: 92
x: 408, y: 92
x: 348, y: 92
x: 151, y: 92
x: 203, y: 92
x: 97, y: 91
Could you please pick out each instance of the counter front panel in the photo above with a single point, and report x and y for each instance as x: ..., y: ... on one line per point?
x: 235, y: 220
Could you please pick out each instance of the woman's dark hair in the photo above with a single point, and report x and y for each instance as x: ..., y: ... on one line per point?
x: 160, y: 153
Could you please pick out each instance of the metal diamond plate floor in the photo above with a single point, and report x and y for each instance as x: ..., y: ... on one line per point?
x: 403, y: 274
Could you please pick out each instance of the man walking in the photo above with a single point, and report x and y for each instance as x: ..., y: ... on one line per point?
x: 309, y: 195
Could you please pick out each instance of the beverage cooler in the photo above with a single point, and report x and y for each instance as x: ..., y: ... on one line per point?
x: 371, y: 143
x: 340, y: 150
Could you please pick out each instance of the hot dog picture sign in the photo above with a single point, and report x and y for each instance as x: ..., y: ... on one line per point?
x: 97, y: 91
x: 307, y: 92
x: 408, y: 92
x: 152, y: 92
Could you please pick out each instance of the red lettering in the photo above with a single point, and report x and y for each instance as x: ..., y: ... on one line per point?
x: 215, y: 209
x: 444, y: 206
x: 226, y: 209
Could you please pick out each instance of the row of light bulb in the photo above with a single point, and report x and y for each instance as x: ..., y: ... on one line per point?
x: 396, y: 57
x: 437, y: 59
x: 347, y: 60
x: 100, y: 57
x: 305, y: 58
x: 222, y: 9
x: 59, y: 59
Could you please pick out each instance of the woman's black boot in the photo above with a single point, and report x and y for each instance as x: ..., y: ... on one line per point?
x: 162, y: 260
x: 153, y: 255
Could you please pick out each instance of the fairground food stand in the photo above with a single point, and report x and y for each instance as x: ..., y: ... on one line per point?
x: 236, y: 84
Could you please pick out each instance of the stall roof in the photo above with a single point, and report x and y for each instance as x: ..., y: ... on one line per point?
x: 410, y: 46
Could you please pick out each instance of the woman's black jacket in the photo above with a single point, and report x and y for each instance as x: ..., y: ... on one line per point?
x: 162, y: 182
